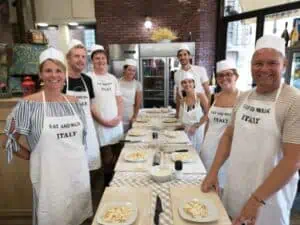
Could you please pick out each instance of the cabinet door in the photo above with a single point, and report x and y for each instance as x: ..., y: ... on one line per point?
x: 53, y: 11
x: 83, y: 10
x: 15, y: 185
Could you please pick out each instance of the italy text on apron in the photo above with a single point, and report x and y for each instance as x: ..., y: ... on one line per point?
x: 128, y: 96
x: 104, y: 95
x: 219, y: 117
x: 93, y: 151
x: 59, y: 172
x: 191, y: 117
x: 255, y: 151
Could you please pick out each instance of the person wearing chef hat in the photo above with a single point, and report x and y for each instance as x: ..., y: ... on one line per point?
x: 262, y: 144
x: 191, y: 111
x: 54, y: 126
x: 80, y: 85
x: 199, y: 73
x: 107, y: 111
x: 219, y: 114
x: 131, y: 90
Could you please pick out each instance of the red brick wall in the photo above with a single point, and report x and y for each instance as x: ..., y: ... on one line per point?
x: 122, y: 22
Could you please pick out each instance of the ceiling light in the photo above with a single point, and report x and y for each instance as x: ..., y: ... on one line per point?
x: 42, y: 24
x: 73, y: 24
x: 148, y: 23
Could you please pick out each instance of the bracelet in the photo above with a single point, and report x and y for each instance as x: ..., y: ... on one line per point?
x: 258, y: 200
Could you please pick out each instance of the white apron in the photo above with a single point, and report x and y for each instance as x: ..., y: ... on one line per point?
x: 219, y: 117
x: 128, y: 96
x: 104, y: 96
x: 59, y: 173
x: 256, y: 150
x: 191, y: 117
x: 93, y: 149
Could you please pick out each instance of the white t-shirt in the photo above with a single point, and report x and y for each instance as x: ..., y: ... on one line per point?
x: 200, y: 77
x: 106, y: 88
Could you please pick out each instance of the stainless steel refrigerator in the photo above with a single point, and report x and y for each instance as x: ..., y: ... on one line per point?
x: 157, y: 65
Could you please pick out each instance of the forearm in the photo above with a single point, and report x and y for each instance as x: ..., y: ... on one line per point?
x: 222, y: 153
x: 137, y: 105
x: 120, y: 106
x: 177, y: 105
x: 23, y: 153
x: 97, y: 117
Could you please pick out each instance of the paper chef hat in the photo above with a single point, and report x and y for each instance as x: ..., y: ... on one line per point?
x: 130, y: 62
x: 95, y: 48
x: 271, y: 41
x: 52, y: 53
x: 183, y: 47
x: 187, y: 76
x: 73, y: 43
x: 225, y: 64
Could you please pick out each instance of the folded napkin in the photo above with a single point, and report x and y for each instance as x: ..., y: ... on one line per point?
x: 180, y: 193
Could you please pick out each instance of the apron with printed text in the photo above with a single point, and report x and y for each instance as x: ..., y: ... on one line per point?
x: 128, y: 96
x: 218, y: 117
x: 59, y: 172
x: 191, y: 117
x: 93, y: 151
x: 256, y: 149
x: 104, y: 97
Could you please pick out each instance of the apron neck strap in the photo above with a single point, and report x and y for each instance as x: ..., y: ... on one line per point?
x: 44, y: 103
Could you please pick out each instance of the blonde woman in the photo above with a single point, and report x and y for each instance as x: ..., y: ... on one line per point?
x: 54, y: 126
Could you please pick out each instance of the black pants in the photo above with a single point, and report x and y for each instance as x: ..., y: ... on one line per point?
x: 109, y: 156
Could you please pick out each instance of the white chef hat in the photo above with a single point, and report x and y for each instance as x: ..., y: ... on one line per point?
x: 52, y: 53
x: 271, y: 41
x: 183, y: 47
x: 73, y: 43
x: 95, y: 48
x: 187, y: 76
x: 225, y: 64
x: 130, y: 62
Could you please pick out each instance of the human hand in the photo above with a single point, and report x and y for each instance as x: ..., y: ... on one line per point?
x: 112, y: 123
x: 191, y: 130
x: 249, y: 213
x: 210, y: 183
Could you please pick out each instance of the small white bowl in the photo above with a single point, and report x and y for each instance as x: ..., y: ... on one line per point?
x: 161, y: 174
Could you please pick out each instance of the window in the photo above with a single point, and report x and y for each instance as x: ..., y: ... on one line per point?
x: 232, y: 7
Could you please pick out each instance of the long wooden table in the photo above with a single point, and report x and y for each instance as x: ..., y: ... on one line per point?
x: 131, y: 176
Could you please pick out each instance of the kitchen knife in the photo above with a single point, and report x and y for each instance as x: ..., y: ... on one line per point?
x: 158, y: 210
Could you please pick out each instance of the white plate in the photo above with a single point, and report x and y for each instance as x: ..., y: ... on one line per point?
x: 170, y: 120
x: 109, y: 205
x: 142, y: 120
x: 213, y: 211
x: 129, y: 153
x: 175, y: 156
x: 137, y: 132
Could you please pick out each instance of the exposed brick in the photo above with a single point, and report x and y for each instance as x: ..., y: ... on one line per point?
x: 122, y: 22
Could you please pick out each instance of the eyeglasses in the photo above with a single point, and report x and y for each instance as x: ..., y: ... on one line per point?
x: 225, y: 75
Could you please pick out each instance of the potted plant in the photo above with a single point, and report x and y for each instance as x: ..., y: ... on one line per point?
x: 163, y: 35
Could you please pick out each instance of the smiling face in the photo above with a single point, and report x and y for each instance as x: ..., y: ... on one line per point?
x: 183, y: 57
x: 226, y: 79
x: 267, y: 66
x: 52, y: 72
x: 99, y: 61
x: 188, y: 85
x: 129, y: 72
x: 77, y: 59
